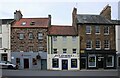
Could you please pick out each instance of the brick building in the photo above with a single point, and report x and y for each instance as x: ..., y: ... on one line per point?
x: 29, y: 35
x: 97, y: 39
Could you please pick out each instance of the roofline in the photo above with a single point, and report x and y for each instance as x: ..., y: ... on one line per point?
x: 61, y: 25
x: 97, y: 23
x: 61, y: 35
x: 28, y: 27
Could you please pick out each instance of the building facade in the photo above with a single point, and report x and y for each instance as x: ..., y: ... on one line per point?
x: 29, y: 35
x: 97, y: 39
x: 5, y: 49
x: 63, y: 48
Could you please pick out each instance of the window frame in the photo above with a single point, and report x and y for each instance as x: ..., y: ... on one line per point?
x: 74, y: 52
x: 64, y: 50
x: 0, y: 42
x: 31, y: 36
x: 72, y: 63
x: 106, y: 48
x: 55, y: 51
x: 92, y: 60
x: 64, y: 38
x: 88, y: 30
x: 89, y: 44
x: 106, y: 33
x: 54, y: 38
x: 40, y: 36
x: 97, y: 29
x: 98, y: 44
x: 0, y: 29
x: 111, y: 61
x: 74, y: 38
x: 56, y: 60
x: 21, y: 36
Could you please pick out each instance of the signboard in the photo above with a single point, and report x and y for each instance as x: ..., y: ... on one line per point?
x: 64, y: 56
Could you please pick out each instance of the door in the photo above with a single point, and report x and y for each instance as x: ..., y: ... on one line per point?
x: 64, y: 64
x: 100, y: 62
x: 26, y: 63
x: 43, y: 64
x: 83, y: 63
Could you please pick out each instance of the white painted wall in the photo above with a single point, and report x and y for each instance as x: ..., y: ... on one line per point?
x: 5, y: 35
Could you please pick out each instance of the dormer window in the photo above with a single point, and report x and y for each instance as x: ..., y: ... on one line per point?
x: 32, y: 23
x: 23, y: 23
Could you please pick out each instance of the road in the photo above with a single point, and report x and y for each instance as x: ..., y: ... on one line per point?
x: 60, y: 74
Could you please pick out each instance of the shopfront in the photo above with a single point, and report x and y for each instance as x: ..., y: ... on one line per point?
x: 64, y: 62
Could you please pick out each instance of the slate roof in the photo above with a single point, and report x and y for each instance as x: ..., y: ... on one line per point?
x: 62, y: 30
x: 5, y: 21
x: 31, y: 22
x: 92, y: 19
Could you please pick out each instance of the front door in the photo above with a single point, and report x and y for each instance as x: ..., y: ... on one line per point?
x: 43, y: 64
x: 100, y: 62
x: 64, y: 64
x: 26, y: 63
x: 83, y: 63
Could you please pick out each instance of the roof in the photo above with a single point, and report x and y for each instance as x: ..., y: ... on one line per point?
x: 116, y: 22
x: 92, y: 19
x: 61, y: 30
x: 5, y: 21
x: 31, y: 22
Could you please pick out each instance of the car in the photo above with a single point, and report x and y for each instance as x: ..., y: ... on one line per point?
x: 7, y: 65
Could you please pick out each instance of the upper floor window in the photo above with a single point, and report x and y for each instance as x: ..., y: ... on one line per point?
x: 0, y: 42
x: 54, y: 38
x: 74, y: 39
x: 106, y: 30
x: 98, y: 44
x: 21, y: 36
x: 21, y: 48
x: 64, y: 50
x: 64, y: 38
x: 55, y: 51
x: 74, y: 50
x: 30, y: 35
x: 88, y: 44
x: 0, y: 29
x: 97, y: 29
x: 32, y: 23
x: 88, y: 29
x: 106, y: 44
x: 40, y: 35
x: 23, y: 23
x: 30, y: 48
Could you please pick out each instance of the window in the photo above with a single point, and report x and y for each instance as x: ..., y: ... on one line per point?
x: 30, y: 35
x: 54, y: 38
x: 106, y: 30
x: 88, y: 29
x: 21, y: 48
x: 88, y: 44
x: 110, y: 61
x: 17, y: 61
x: 34, y: 61
x: 21, y: 36
x: 64, y: 38
x: 0, y: 29
x: 30, y: 48
x: 40, y: 47
x: 40, y: 35
x: 23, y: 23
x: 97, y: 29
x: 32, y: 23
x: 73, y: 63
x: 106, y: 44
x: 55, y: 63
x: 74, y: 38
x: 98, y: 44
x: 55, y: 51
x: 64, y: 50
x: 74, y: 50
x: 0, y: 42
x: 92, y: 61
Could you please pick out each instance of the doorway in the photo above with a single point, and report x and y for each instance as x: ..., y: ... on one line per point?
x: 100, y: 62
x: 64, y: 64
x: 26, y: 63
x: 43, y: 64
x: 83, y: 63
x: 4, y: 57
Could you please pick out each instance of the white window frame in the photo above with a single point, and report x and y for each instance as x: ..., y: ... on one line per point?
x: 74, y: 38
x: 107, y: 30
x: 89, y: 62
x: 88, y: 29
x: 108, y: 45
x: 97, y: 29
x: 90, y: 45
x: 64, y: 38
x: 21, y: 36
x: 99, y: 44
x: 112, y: 61
x: 54, y: 38
x: 40, y: 35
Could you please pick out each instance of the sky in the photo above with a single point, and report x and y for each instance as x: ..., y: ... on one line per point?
x: 61, y: 11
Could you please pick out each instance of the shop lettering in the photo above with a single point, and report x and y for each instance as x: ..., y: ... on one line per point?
x: 64, y: 56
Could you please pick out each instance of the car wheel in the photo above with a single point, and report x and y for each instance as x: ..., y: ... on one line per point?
x: 10, y: 67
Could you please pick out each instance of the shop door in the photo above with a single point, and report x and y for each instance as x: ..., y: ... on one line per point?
x: 26, y: 63
x: 43, y: 64
x: 100, y: 62
x: 83, y: 63
x: 64, y: 64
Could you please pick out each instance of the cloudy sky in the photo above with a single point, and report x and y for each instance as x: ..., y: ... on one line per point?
x: 61, y: 10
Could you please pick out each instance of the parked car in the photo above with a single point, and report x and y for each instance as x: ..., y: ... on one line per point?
x: 7, y: 65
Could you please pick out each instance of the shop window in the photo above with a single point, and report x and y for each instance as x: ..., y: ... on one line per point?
x: 119, y: 61
x: 55, y: 63
x: 110, y: 61
x: 73, y: 63
x: 92, y: 61
x: 34, y: 61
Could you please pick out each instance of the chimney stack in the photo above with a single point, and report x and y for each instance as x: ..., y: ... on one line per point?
x: 17, y: 15
x: 49, y: 16
x: 74, y: 18
x: 106, y: 12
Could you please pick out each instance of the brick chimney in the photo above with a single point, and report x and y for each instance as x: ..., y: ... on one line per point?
x: 17, y: 15
x: 74, y: 18
x: 106, y: 12
x: 49, y: 16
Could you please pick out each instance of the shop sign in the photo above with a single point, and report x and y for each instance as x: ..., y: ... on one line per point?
x: 65, y: 56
